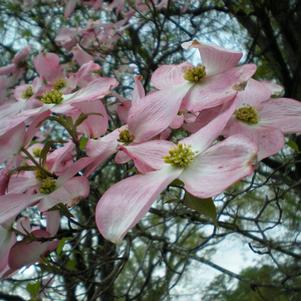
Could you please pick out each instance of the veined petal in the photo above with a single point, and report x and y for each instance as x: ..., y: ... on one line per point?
x: 101, y: 149
x: 254, y: 94
x: 25, y: 253
x: 95, y: 125
x: 155, y: 112
x: 138, y: 91
x: 220, y: 166
x: 13, y: 203
x: 125, y: 203
x: 216, y: 59
x: 73, y: 170
x: 167, y: 76
x: 203, y: 138
x: 149, y: 155
x: 97, y: 89
x: 269, y: 140
x: 48, y: 66
x: 216, y: 90
x: 283, y: 114
x: 69, y: 193
x: 11, y: 142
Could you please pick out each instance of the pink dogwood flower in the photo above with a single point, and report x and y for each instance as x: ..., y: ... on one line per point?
x: 206, y: 171
x: 264, y: 120
x: 185, y: 87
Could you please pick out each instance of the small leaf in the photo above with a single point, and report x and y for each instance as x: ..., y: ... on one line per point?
x: 33, y: 288
x: 61, y: 244
x: 293, y: 145
x: 83, y: 142
x: 203, y: 206
x: 71, y: 264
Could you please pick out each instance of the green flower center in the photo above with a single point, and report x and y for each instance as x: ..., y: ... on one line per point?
x: 247, y: 114
x: 126, y: 137
x: 52, y: 97
x: 27, y: 93
x: 180, y: 156
x: 59, y: 84
x: 195, y: 74
x: 48, y: 185
x: 37, y: 152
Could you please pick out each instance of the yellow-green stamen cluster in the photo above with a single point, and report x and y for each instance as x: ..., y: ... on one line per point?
x: 40, y: 174
x: 247, y: 114
x: 195, y: 74
x: 180, y: 156
x: 47, y: 185
x: 52, y: 97
x: 27, y: 93
x: 59, y: 84
x: 125, y: 137
x: 37, y: 152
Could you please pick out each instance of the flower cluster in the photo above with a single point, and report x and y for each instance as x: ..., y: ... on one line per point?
x: 214, y: 99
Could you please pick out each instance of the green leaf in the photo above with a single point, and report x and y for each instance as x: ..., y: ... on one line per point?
x: 71, y: 264
x: 61, y: 244
x: 33, y: 288
x: 83, y: 142
x: 203, y: 206
x: 293, y: 145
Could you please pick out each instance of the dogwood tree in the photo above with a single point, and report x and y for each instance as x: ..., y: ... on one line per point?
x: 135, y: 137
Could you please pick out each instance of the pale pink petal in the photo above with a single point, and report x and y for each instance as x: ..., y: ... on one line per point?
x: 121, y: 157
x: 95, y: 125
x: 100, y: 150
x: 125, y: 203
x: 177, y: 121
x: 167, y: 76
x: 155, y: 112
x: 215, y: 90
x: 24, y: 253
x: 275, y: 89
x: 86, y: 74
x: 12, y: 204
x: 48, y: 66
x: 4, y: 179
x: 123, y: 110
x: 20, y: 183
x: 269, y: 140
x: 69, y: 8
x: 220, y: 166
x: 60, y: 159
x: 283, y: 114
x: 11, y: 142
x: 53, y: 221
x: 203, y: 138
x: 66, y: 37
x: 95, y: 90
x: 81, y: 56
x: 69, y: 193
x: 149, y: 155
x: 73, y: 170
x: 21, y: 55
x: 215, y: 58
x: 254, y: 94
x: 203, y: 118
x: 5, y: 246
x: 138, y: 91
x: 8, y: 69
x: 5, y: 241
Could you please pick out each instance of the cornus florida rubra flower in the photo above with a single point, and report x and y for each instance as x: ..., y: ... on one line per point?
x: 263, y: 119
x: 185, y: 87
x: 206, y: 171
